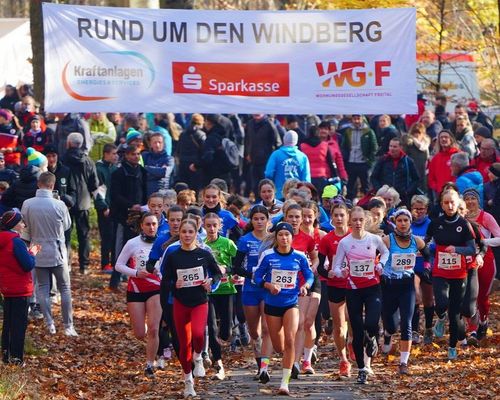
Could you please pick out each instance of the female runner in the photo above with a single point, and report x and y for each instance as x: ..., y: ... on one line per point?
x: 143, y: 291
x: 356, y: 260
x: 278, y: 273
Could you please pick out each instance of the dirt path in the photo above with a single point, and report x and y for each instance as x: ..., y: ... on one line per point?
x: 106, y: 362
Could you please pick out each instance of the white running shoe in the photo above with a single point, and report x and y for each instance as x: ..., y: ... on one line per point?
x: 70, y: 331
x: 160, y: 363
x: 199, y: 369
x: 221, y: 374
x: 189, y: 389
x: 52, y: 329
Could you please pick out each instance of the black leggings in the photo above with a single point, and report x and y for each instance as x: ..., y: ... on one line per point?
x: 15, y: 323
x: 367, y: 300
x: 469, y: 304
x: 449, y: 295
x: 220, y: 307
x: 398, y: 294
x: 238, y: 305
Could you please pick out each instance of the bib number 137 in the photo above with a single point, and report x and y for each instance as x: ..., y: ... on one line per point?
x: 362, y: 268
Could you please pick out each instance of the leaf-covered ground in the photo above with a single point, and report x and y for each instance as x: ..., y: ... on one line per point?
x: 106, y: 362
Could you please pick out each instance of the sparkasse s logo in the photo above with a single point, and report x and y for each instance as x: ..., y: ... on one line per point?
x: 231, y: 79
x: 355, y: 74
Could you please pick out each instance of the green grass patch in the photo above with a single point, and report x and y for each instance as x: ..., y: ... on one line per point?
x: 12, y: 384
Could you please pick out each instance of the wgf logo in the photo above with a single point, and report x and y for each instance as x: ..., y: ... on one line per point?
x: 353, y: 73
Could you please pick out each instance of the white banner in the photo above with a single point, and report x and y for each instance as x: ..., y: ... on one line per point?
x: 290, y: 62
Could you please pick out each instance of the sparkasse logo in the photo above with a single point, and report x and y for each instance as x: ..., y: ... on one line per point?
x: 355, y: 74
x: 231, y: 79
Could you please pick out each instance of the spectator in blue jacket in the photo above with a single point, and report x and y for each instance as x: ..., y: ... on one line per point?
x: 287, y: 162
x: 158, y: 164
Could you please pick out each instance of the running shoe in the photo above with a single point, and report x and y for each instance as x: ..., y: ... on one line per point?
x: 160, y: 363
x: 107, y: 269
x: 244, y: 336
x: 345, y: 369
x: 149, y: 372
x: 70, y: 331
x: 438, y: 328
x: 329, y: 327
x: 199, y: 369
x: 35, y: 311
x: 428, y: 336
x: 189, y: 389
x: 207, y: 362
x: 264, y: 377
x: 295, y: 372
x: 362, y: 377
x: 482, y: 330
x: 415, y: 338
x: 221, y: 374
x: 371, y: 346
x: 52, y: 329
x: 283, y: 391
x: 307, y: 368
x: 403, y: 369
x: 314, y: 355
x: 17, y: 362
x: 387, y: 346
x: 452, y: 353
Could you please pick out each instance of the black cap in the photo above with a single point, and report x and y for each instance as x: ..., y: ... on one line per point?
x: 50, y: 149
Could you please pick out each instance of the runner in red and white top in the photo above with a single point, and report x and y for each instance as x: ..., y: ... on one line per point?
x: 356, y: 260
x: 143, y: 291
x: 336, y: 286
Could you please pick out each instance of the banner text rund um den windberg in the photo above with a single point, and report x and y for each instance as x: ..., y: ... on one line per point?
x: 321, y: 62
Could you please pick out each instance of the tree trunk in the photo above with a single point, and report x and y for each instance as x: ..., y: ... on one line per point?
x: 38, y: 61
x: 442, y: 6
x: 178, y: 4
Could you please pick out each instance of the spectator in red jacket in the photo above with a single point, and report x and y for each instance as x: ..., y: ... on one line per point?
x: 487, y: 156
x: 327, y: 134
x: 16, y: 286
x: 439, y: 166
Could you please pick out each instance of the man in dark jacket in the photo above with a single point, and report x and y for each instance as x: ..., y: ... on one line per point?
x: 397, y: 170
x: 359, y: 146
x: 67, y: 124
x: 261, y: 139
x: 213, y: 162
x: 83, y: 181
x: 189, y: 152
x: 158, y: 163
x: 105, y: 168
x: 128, y: 192
x: 62, y: 174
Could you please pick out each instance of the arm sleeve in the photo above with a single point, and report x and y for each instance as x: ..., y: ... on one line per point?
x: 339, y: 257
x: 121, y: 263
x: 468, y: 250
x: 492, y: 242
x: 491, y: 224
x: 270, y: 167
x: 23, y: 256
x: 321, y: 267
x: 384, y: 251
x: 260, y: 272
x: 307, y: 271
x: 238, y: 265
x: 213, y: 271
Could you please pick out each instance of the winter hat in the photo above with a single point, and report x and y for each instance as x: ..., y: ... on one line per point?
x: 50, y: 149
x: 35, y: 158
x: 291, y: 138
x: 473, y: 193
x: 484, y: 132
x: 133, y: 134
x: 6, y: 114
x: 495, y: 169
x: 10, y: 219
x: 329, y: 192
x: 282, y: 226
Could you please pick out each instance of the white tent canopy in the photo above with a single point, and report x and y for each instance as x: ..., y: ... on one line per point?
x: 15, y: 42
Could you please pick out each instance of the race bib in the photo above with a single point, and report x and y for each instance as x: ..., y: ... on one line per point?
x: 140, y: 262
x: 449, y: 261
x: 191, y: 277
x: 362, y: 268
x: 284, y: 279
x: 403, y: 261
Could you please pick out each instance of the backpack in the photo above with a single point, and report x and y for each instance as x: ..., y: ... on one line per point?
x: 232, y: 153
